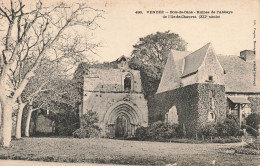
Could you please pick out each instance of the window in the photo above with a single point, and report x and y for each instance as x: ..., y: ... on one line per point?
x: 210, y: 78
x: 127, y: 82
x: 212, y: 103
x: 211, y: 116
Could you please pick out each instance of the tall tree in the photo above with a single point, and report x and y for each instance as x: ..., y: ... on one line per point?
x: 150, y: 54
x: 31, y: 34
x: 151, y: 48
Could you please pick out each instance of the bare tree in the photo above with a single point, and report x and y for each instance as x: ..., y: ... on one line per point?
x: 32, y: 35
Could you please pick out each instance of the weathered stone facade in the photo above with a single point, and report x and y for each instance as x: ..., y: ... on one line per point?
x: 208, y: 88
x: 194, y: 105
x: 116, y: 96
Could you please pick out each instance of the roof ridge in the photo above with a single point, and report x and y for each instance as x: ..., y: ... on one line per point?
x: 195, y: 59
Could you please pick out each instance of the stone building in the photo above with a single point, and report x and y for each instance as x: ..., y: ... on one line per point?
x: 202, y: 87
x: 116, y: 96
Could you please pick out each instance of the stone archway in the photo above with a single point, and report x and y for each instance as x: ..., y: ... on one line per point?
x: 122, y: 119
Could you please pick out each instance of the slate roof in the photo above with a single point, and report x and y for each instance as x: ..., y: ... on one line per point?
x: 194, y: 60
x: 170, y: 77
x: 239, y: 74
x: 179, y: 59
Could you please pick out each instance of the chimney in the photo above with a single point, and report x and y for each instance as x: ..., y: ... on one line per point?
x: 249, y: 56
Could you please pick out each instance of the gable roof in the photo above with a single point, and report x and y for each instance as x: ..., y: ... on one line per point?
x: 194, y: 60
x: 239, y: 75
x: 170, y: 77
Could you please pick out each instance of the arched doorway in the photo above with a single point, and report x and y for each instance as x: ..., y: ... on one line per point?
x: 122, y: 120
x: 122, y: 126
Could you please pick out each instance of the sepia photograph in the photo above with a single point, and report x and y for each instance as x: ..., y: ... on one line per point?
x: 129, y: 82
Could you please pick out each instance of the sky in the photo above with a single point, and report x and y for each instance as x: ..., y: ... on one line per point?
x: 122, y: 27
x: 229, y: 34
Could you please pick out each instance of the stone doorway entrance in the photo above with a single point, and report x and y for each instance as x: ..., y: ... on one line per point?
x: 122, y: 126
x: 121, y: 120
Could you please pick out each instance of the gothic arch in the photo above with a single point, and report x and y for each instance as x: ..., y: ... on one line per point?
x: 126, y: 109
x: 128, y: 75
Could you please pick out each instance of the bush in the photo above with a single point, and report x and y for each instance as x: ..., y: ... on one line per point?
x: 158, y: 131
x: 81, y: 133
x: 247, y: 151
x: 181, y: 131
x: 89, y: 128
x: 251, y: 130
x: 86, y: 133
x: 209, y: 130
x: 226, y: 140
x: 228, y: 128
x: 142, y: 133
x: 253, y: 120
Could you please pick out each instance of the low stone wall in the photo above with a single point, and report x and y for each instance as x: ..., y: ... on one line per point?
x: 193, y: 105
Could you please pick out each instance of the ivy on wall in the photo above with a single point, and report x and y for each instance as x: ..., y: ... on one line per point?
x: 192, y: 103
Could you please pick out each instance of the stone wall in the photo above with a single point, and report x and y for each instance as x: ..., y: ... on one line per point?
x: 111, y: 80
x: 192, y: 79
x: 211, y: 67
x: 104, y: 94
x: 193, y: 105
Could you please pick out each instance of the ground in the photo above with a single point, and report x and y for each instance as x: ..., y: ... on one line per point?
x: 124, y: 152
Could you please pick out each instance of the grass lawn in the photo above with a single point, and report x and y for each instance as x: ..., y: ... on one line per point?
x: 124, y: 152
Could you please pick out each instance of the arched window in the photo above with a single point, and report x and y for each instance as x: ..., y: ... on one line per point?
x: 127, y: 82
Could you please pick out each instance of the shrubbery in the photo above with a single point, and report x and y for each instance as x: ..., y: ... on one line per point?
x: 157, y: 131
x: 209, y: 130
x: 89, y: 127
x: 228, y: 128
x: 251, y: 130
x: 253, y: 120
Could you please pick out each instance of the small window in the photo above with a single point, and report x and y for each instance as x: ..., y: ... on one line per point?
x: 210, y: 78
x: 211, y: 116
x: 127, y: 82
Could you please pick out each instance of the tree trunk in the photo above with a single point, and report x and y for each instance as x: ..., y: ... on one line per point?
x: 6, y: 130
x: 27, y: 127
x: 19, y: 120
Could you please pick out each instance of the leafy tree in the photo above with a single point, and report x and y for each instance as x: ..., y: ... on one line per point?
x: 31, y: 34
x: 149, y: 56
x: 151, y: 49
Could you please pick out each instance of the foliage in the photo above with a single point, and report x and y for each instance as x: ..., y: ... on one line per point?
x: 247, y: 151
x: 226, y: 140
x: 157, y: 131
x: 253, y: 120
x: 151, y: 49
x: 66, y: 120
x: 141, y: 133
x: 228, y: 128
x: 209, y: 130
x: 89, y: 127
x: 34, y: 32
x: 81, y: 133
x: 181, y: 131
x: 149, y: 56
x: 251, y: 130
